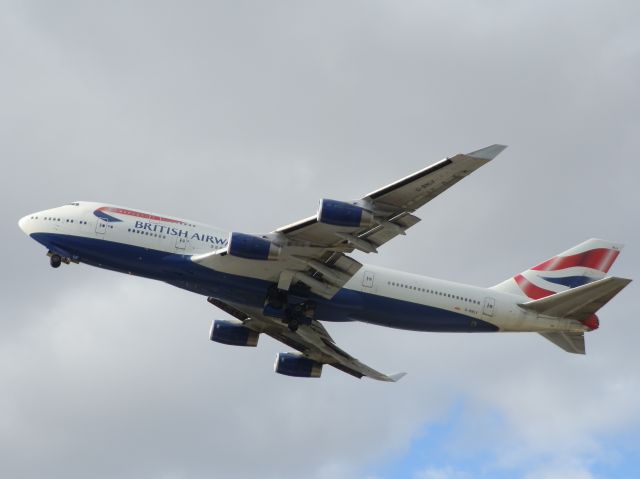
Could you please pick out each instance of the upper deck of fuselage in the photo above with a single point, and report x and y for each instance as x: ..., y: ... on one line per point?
x: 102, y: 221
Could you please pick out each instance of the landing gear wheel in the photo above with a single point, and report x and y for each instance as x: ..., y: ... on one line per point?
x: 55, y: 261
x: 293, y: 325
x: 277, y: 298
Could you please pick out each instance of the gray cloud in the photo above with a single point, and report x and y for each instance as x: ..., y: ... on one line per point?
x: 243, y: 115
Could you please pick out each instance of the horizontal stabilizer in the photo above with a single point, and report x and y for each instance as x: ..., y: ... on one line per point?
x: 578, y: 303
x: 570, y: 342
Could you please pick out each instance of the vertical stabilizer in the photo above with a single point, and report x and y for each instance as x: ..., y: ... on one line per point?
x: 587, y: 262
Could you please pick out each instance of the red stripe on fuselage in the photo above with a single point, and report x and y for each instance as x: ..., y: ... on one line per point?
x: 137, y: 214
x: 599, y: 258
x: 530, y: 289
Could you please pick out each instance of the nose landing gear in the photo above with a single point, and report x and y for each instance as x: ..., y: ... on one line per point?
x: 55, y: 260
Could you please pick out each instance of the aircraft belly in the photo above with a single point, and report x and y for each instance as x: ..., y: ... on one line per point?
x: 175, y: 269
x: 103, y: 253
x: 400, y: 314
x: 178, y: 270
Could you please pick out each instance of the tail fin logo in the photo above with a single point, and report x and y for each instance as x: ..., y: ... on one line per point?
x: 565, y: 272
x: 599, y: 259
x: 582, y: 264
x: 530, y: 289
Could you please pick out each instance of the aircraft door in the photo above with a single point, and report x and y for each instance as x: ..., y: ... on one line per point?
x: 489, y: 306
x: 181, y: 243
x: 368, y: 279
x: 101, y: 226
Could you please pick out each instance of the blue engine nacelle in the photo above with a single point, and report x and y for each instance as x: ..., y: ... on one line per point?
x: 234, y: 334
x: 339, y: 213
x: 292, y: 364
x: 251, y: 247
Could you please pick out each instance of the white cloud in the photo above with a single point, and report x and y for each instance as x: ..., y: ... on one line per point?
x: 560, y: 471
x: 447, y: 472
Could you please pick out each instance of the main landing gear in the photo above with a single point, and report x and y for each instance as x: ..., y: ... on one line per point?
x: 293, y: 311
x: 297, y: 314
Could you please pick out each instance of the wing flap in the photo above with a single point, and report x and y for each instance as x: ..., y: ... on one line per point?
x: 390, y: 229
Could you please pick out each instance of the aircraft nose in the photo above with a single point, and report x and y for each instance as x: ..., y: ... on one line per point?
x: 24, y: 224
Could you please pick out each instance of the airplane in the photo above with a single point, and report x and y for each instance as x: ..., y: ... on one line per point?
x: 287, y: 282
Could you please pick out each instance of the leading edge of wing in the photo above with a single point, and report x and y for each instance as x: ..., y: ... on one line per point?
x: 484, y: 154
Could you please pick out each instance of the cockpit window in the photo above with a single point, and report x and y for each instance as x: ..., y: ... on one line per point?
x: 74, y: 204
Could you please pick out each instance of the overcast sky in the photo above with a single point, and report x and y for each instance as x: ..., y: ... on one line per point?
x: 242, y: 115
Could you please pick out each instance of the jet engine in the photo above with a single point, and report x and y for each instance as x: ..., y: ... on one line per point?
x: 339, y: 213
x: 234, y: 334
x: 252, y: 247
x: 292, y: 364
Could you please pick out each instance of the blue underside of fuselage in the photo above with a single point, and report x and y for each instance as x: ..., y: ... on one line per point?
x: 180, y: 271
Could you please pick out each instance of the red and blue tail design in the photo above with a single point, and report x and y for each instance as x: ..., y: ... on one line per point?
x: 582, y: 264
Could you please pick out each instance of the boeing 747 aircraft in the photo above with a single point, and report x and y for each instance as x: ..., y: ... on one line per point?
x: 285, y: 283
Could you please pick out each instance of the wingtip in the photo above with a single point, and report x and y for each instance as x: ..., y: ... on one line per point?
x: 488, y: 153
x: 396, y: 377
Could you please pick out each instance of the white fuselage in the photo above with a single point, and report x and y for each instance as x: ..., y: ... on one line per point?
x: 157, y: 246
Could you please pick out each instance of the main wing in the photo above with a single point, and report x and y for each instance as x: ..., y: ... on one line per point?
x: 312, y: 340
x: 314, y: 251
x: 393, y: 204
